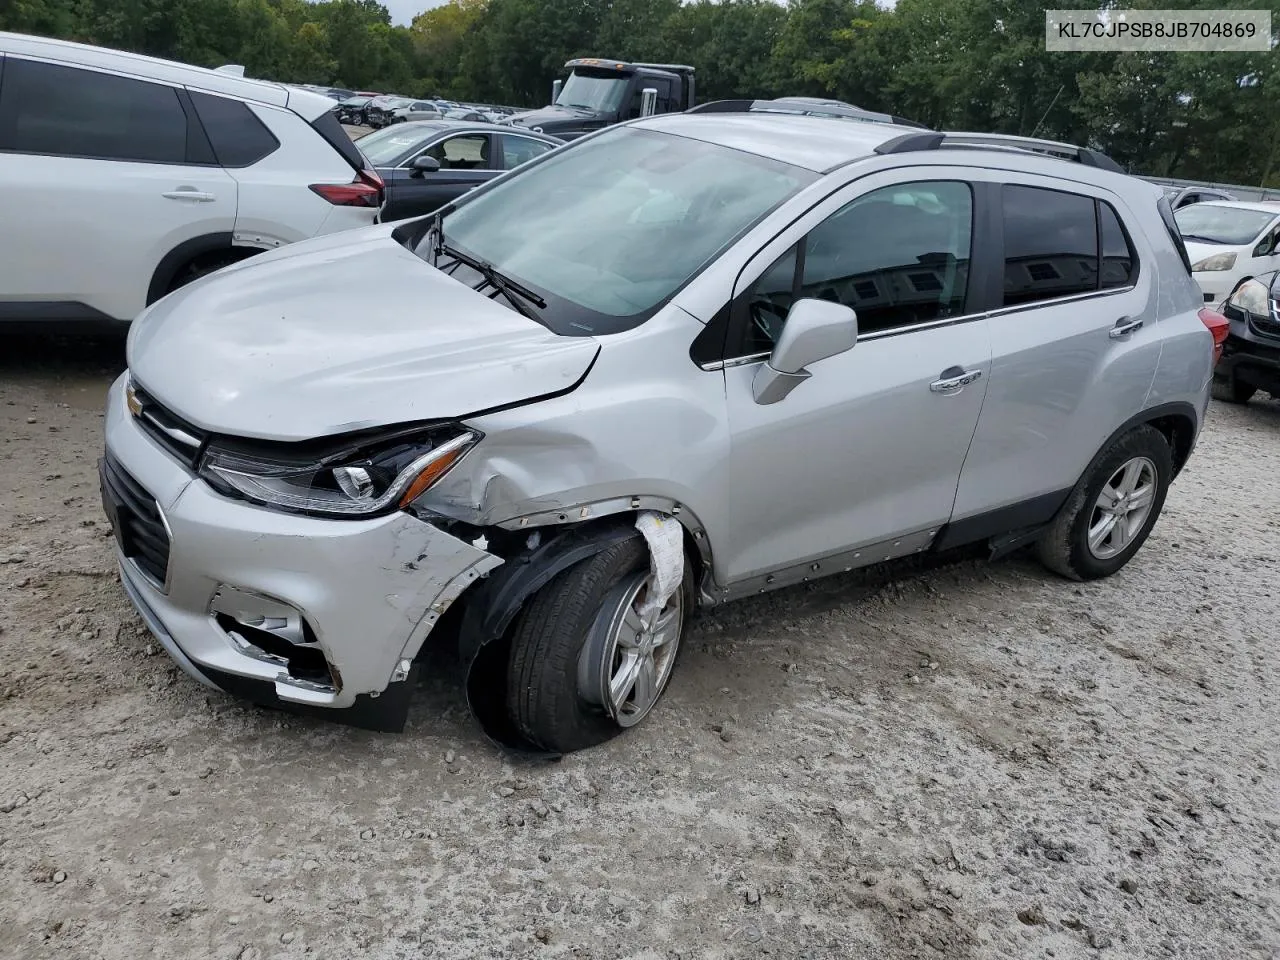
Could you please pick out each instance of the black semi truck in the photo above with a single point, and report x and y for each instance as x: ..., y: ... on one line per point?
x: 599, y: 92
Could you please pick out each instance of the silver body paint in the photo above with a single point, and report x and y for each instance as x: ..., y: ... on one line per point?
x: 859, y: 463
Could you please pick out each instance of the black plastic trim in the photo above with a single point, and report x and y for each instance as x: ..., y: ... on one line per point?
x: 178, y: 257
x: 1017, y: 516
x: 51, y: 310
x: 910, y: 142
x: 385, y: 713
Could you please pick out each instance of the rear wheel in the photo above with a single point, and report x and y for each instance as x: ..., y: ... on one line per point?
x: 585, y: 664
x: 1112, y: 509
x: 203, y: 266
x: 1232, y: 390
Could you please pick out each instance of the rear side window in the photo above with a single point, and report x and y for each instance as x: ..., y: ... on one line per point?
x: 1175, y: 235
x: 1050, y: 245
x: 66, y: 111
x: 239, y: 138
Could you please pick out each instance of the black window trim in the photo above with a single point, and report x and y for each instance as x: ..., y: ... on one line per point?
x: 179, y: 92
x: 973, y: 298
x: 985, y: 296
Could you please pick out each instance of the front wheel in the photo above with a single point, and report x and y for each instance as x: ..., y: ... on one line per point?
x: 585, y: 662
x: 1112, y: 509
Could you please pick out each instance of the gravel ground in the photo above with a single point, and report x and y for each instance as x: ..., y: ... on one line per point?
x: 967, y: 761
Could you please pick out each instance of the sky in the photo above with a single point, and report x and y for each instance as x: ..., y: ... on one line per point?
x: 403, y: 11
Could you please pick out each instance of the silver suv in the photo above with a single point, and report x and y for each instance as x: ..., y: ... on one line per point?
x: 680, y: 361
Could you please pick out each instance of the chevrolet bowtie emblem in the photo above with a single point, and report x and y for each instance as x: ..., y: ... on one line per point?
x: 131, y: 398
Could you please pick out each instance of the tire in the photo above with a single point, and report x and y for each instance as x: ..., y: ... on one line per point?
x: 202, y: 268
x: 1232, y: 390
x: 1065, y: 548
x: 546, y: 698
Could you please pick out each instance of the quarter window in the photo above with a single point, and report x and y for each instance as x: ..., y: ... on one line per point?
x: 898, y: 256
x: 65, y: 111
x: 239, y: 138
x: 1119, y: 265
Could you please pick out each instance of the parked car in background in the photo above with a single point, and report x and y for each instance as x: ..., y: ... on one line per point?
x: 1180, y: 197
x: 150, y: 174
x: 1228, y: 241
x: 467, y: 114
x: 1251, y: 354
x: 686, y: 360
x: 414, y: 110
x: 351, y: 110
x: 425, y: 164
x: 380, y: 111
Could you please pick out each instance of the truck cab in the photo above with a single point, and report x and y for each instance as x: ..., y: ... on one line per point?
x: 598, y: 93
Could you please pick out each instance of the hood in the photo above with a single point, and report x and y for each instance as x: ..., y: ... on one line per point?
x: 339, y: 334
x: 558, y: 120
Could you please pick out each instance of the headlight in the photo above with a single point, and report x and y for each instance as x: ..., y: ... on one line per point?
x: 360, y: 481
x: 1251, y: 297
x: 1219, y: 261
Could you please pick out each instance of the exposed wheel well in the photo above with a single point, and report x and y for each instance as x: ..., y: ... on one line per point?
x: 1179, y: 431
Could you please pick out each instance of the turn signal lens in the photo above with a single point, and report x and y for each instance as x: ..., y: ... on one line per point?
x: 432, y: 472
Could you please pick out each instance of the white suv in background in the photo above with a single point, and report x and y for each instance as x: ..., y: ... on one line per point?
x: 1229, y: 241
x: 123, y: 177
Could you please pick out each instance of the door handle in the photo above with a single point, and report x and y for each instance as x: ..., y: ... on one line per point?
x: 1124, y: 326
x: 953, y: 378
x: 189, y: 193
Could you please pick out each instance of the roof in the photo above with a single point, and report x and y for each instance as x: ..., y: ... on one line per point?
x: 814, y: 143
x: 306, y: 102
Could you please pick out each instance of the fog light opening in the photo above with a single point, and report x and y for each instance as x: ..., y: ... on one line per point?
x: 302, y: 662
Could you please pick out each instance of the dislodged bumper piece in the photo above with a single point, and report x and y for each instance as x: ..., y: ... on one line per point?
x: 281, y: 608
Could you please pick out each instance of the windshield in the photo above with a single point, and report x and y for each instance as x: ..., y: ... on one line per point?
x: 601, y: 92
x: 1209, y: 223
x: 609, y: 230
x: 384, y: 147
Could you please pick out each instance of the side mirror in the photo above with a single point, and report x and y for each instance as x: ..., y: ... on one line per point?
x: 556, y: 87
x: 648, y: 101
x: 425, y: 164
x: 815, y: 330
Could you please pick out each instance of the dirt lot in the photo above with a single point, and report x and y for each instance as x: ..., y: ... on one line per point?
x: 968, y: 762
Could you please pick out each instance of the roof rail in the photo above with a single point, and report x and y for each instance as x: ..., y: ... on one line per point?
x: 803, y: 107
x: 911, y: 142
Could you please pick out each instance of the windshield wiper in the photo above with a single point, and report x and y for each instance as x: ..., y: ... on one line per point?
x: 1194, y: 238
x: 492, y: 278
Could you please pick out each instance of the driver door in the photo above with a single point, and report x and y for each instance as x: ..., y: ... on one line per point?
x: 465, y: 163
x: 860, y: 462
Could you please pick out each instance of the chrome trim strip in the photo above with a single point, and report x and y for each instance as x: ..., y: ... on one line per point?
x: 1073, y: 298
x: 180, y: 436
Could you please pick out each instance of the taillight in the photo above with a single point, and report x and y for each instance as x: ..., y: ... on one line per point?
x: 366, y: 190
x: 1218, y: 326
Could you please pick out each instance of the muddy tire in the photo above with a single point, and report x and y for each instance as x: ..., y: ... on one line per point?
x: 549, y: 700
x: 1232, y: 390
x: 1111, y: 511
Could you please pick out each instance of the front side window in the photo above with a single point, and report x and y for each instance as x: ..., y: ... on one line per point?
x: 897, y: 256
x: 1212, y: 223
x: 661, y: 103
x: 66, y: 111
x: 610, y: 230
x: 468, y: 152
x: 518, y: 150
x: 390, y: 145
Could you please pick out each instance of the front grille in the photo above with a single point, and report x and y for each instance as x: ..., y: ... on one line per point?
x: 135, y: 515
x: 180, y: 438
x: 1266, y: 328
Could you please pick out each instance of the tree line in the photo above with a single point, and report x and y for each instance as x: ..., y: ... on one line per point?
x: 951, y: 64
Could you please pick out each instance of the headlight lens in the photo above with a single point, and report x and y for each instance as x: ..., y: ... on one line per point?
x: 1251, y: 297
x: 361, y: 482
x: 1219, y: 261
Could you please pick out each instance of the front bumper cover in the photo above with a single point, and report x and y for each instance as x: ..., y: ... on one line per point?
x: 369, y: 591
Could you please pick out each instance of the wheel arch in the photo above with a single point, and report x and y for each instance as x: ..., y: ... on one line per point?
x: 1177, y: 421
x: 181, y: 255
